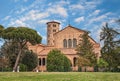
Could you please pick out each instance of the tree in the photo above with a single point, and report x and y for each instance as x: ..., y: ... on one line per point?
x: 110, y: 39
x: 1, y: 29
x: 85, y: 51
x: 3, y: 63
x: 10, y: 51
x: 102, y: 63
x: 56, y: 61
x: 21, y: 35
x: 81, y: 61
x: 30, y: 60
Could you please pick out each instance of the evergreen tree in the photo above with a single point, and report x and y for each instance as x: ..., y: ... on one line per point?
x: 20, y: 35
x: 85, y: 50
x: 110, y: 50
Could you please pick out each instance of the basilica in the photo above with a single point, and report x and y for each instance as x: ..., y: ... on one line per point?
x: 64, y: 40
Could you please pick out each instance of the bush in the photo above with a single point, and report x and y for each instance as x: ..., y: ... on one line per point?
x: 57, y: 62
x: 23, y: 67
x: 30, y: 60
x: 79, y: 69
x: 67, y: 64
x: 6, y: 69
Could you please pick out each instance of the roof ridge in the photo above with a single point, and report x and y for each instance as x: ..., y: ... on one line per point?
x: 71, y: 27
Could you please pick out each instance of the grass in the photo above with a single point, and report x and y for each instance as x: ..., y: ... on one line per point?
x: 59, y: 76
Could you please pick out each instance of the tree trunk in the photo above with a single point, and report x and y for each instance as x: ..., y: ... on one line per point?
x: 21, y: 44
x: 17, y: 61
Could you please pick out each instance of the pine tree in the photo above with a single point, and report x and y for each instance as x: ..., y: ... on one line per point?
x: 111, y: 46
x: 85, y: 49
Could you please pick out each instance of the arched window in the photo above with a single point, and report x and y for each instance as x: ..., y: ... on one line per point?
x: 65, y: 43
x: 69, y: 43
x: 74, y: 61
x: 40, y: 62
x: 74, y: 42
x: 43, y: 61
x: 54, y: 25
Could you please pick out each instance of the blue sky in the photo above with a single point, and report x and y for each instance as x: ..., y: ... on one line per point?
x: 88, y: 15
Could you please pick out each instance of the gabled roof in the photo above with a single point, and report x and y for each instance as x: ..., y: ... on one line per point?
x: 71, y: 27
x: 75, y: 29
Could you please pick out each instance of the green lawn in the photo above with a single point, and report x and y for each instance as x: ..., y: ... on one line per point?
x: 59, y: 76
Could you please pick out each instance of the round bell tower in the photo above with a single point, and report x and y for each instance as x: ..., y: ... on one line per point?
x: 52, y: 28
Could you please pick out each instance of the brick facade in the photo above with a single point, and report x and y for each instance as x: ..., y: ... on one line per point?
x: 65, y: 40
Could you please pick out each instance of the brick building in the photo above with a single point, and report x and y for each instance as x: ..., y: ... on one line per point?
x: 65, y: 40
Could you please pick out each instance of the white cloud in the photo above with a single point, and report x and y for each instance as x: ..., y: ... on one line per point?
x: 112, y: 21
x: 25, y: 0
x: 103, y: 23
x: 79, y: 19
x: 21, y: 10
x: 96, y: 12
x: 97, y: 34
x: 58, y: 10
x: 62, y: 3
x: 31, y: 16
x: 43, y: 21
x: 77, y: 6
x: 35, y: 15
x: 6, y: 18
x: 99, y: 18
x: 18, y: 23
x: 92, y: 4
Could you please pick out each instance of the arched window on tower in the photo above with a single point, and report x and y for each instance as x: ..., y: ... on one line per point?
x: 65, y: 43
x: 69, y: 43
x: 74, y: 43
x: 54, y: 25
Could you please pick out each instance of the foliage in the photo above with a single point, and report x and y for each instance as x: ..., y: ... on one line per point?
x: 30, y: 60
x: 111, y: 47
x: 23, y: 67
x: 102, y: 63
x: 67, y: 64
x: 85, y: 50
x: 3, y: 63
x: 108, y: 36
x: 20, y: 35
x: 56, y: 61
x: 81, y: 61
x: 1, y: 29
x: 10, y: 51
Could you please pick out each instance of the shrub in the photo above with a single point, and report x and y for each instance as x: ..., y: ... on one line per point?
x: 57, y: 62
x: 23, y: 67
x: 30, y: 60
